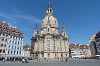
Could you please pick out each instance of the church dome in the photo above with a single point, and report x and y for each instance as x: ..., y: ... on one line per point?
x: 49, y: 19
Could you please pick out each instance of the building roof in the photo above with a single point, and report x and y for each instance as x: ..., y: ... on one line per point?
x: 11, y: 30
x: 78, y: 46
x: 27, y: 48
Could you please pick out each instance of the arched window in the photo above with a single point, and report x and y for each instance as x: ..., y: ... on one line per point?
x: 50, y: 10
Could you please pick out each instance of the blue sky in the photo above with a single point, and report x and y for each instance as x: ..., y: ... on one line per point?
x: 81, y: 17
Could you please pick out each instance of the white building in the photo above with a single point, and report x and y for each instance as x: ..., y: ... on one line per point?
x: 49, y: 42
x: 92, y: 44
x: 79, y: 51
x: 11, y: 41
x: 26, y: 51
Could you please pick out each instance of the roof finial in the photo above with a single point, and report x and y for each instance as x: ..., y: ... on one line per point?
x: 63, y: 27
x: 36, y: 26
x: 49, y: 2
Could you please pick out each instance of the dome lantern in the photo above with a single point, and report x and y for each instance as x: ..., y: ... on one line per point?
x: 49, y: 10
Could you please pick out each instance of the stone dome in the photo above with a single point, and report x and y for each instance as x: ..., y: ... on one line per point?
x: 49, y: 19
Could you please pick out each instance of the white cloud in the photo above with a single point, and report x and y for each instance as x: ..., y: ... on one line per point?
x: 15, y: 17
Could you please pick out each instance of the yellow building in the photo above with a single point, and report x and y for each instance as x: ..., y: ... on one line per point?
x: 49, y: 42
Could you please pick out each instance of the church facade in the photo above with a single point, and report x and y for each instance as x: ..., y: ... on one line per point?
x: 49, y: 42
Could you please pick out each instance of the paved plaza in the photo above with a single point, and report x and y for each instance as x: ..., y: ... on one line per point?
x: 70, y: 62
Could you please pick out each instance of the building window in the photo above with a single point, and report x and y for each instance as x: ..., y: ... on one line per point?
x: 9, y: 46
x: 14, y: 52
x: 17, y: 47
x: 17, y: 52
x: 48, y: 29
x: 5, y: 45
x: 8, y: 52
x: 2, y: 39
x: 3, y: 34
x: 1, y: 45
x: 19, y: 38
x: 13, y: 37
x: 4, y: 51
x: 21, y: 42
x: 6, y: 40
x: 20, y: 48
x: 15, y: 42
x: 6, y: 35
x: 12, y: 42
x: 10, y: 36
x: 11, y: 52
x: 0, y: 50
x: 18, y: 42
x: 20, y: 52
x: 12, y: 47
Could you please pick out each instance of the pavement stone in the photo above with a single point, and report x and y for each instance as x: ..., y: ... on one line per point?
x: 70, y: 62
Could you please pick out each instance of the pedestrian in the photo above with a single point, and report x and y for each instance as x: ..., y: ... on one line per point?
x: 23, y: 60
x: 3, y: 60
x: 66, y: 59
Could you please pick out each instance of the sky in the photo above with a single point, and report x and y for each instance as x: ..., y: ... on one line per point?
x: 81, y: 17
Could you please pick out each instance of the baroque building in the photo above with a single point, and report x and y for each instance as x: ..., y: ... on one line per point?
x: 49, y: 42
x: 11, y: 41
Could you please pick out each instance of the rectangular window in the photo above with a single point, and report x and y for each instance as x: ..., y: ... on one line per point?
x: 12, y: 42
x: 18, y: 42
x: 17, y: 52
x: 12, y: 47
x: 11, y: 52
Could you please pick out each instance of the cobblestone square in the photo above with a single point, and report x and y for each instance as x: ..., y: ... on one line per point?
x: 70, y: 62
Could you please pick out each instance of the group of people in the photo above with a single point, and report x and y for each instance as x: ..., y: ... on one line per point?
x: 24, y: 60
